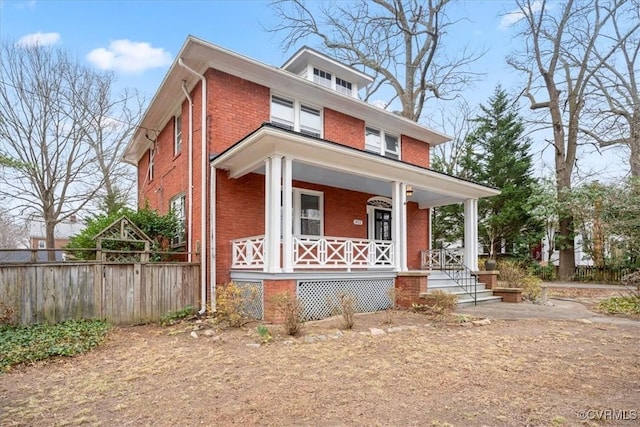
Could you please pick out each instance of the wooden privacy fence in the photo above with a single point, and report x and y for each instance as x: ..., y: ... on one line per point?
x: 123, y: 293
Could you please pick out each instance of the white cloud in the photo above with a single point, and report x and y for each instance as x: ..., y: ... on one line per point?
x: 379, y: 103
x: 38, y: 39
x: 130, y: 57
x: 512, y: 17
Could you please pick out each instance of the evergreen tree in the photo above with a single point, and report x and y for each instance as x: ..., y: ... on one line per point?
x: 502, y: 160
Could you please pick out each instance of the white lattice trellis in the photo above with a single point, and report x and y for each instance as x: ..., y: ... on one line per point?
x: 320, y: 297
x: 253, y: 297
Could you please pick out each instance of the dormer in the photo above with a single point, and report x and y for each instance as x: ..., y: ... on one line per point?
x: 319, y: 68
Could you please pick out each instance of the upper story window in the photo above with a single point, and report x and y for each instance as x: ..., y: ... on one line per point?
x: 322, y: 77
x: 177, y: 136
x: 297, y: 116
x: 42, y: 244
x: 379, y: 142
x: 343, y: 86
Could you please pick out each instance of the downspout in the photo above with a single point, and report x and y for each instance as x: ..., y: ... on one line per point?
x: 212, y: 226
x: 203, y: 190
x: 190, y: 170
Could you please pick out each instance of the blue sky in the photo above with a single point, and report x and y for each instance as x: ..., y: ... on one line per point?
x: 139, y: 39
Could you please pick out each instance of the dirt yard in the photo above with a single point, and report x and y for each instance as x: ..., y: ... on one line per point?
x: 511, y: 373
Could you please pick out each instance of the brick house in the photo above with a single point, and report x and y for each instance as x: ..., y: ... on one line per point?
x: 287, y: 181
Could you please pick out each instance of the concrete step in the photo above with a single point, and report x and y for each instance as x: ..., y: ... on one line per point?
x: 462, y: 295
x: 468, y: 302
x: 450, y: 287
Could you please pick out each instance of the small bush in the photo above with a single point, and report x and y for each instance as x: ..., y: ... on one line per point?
x: 265, y: 334
x: 511, y: 273
x: 346, y: 307
x: 174, y: 316
x: 230, y: 305
x: 531, y: 288
x: 438, y: 304
x: 27, y: 344
x: 395, y: 295
x: 290, y: 308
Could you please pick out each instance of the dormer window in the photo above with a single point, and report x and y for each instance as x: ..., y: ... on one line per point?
x: 322, y: 77
x: 343, y: 86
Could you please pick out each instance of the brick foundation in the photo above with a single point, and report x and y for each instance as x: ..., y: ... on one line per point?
x: 410, y: 284
x: 271, y: 289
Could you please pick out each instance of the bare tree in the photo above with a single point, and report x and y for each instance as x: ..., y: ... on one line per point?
x: 47, y: 102
x: 401, y: 42
x: 12, y: 234
x: 615, y: 98
x: 453, y: 157
x: 111, y: 121
x: 559, y: 59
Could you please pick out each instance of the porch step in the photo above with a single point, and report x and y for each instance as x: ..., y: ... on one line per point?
x: 440, y: 281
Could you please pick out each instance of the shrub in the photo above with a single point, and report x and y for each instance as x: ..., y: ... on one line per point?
x: 531, y: 288
x: 265, y: 334
x: 632, y: 280
x: 290, y: 308
x: 7, y: 314
x: 26, y: 344
x: 346, y: 308
x: 438, y: 304
x: 511, y: 273
x: 395, y: 295
x: 230, y: 305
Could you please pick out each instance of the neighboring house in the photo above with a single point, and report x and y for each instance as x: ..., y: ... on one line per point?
x: 286, y: 180
x: 63, y: 232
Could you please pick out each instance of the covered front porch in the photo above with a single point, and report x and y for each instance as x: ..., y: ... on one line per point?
x: 313, y: 188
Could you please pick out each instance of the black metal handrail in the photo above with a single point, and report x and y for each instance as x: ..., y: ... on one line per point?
x: 464, y: 278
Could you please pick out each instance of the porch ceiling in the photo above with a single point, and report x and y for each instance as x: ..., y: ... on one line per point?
x: 322, y: 162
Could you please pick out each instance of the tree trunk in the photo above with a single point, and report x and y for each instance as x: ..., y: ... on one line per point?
x: 634, y: 146
x: 50, y: 228
x: 567, y: 267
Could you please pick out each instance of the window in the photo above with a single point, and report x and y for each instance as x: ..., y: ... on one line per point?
x: 343, y: 86
x: 322, y: 77
x: 177, y: 206
x: 282, y: 112
x: 296, y: 116
x: 310, y: 121
x: 151, y: 165
x: 307, y: 212
x: 373, y: 142
x: 42, y: 244
x: 177, y: 137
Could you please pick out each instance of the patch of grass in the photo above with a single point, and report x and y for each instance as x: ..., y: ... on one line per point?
x: 173, y: 316
x: 27, y: 344
x: 264, y: 333
x: 627, y: 305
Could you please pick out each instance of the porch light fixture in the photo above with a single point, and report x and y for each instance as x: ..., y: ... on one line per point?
x: 409, y: 191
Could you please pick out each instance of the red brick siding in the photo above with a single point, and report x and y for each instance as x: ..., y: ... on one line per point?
x: 343, y: 129
x: 409, y: 289
x: 414, y: 151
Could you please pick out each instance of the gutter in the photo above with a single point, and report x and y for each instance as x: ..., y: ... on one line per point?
x: 203, y: 190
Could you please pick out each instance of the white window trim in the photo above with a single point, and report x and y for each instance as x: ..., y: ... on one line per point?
x: 297, y: 209
x: 177, y: 147
x: 383, y: 142
x: 42, y: 244
x: 297, y: 104
x: 182, y: 238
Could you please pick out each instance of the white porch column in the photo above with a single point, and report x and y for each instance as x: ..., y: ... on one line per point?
x: 273, y: 177
x: 396, y: 218
x: 287, y: 207
x: 471, y: 234
x: 403, y: 227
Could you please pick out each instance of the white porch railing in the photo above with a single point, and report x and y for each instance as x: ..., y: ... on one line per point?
x: 248, y: 252
x: 340, y: 252
x: 441, y: 259
x: 311, y: 252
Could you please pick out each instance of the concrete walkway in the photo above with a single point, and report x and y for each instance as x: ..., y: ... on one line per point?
x: 560, y: 310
